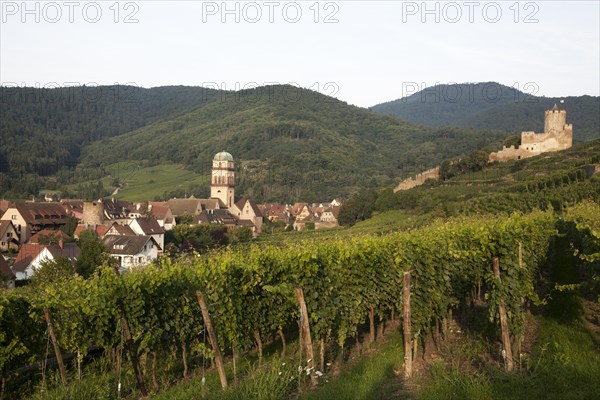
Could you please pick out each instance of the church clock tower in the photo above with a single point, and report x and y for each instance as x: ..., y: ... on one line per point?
x: 223, y: 178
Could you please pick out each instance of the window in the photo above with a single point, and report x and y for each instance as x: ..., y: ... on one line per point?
x: 13, y: 217
x: 8, y: 234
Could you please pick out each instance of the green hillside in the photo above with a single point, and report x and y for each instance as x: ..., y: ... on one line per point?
x: 137, y: 182
x: 291, y: 144
x: 548, y: 181
x: 44, y: 130
x: 491, y: 105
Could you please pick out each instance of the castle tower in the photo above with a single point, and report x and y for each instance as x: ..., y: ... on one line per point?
x: 223, y: 178
x: 555, y: 120
x: 93, y: 212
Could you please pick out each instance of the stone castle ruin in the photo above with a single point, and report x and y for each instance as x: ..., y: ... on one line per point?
x: 558, y: 135
x: 430, y: 174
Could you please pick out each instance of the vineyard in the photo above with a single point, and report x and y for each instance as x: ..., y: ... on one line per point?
x: 250, y: 294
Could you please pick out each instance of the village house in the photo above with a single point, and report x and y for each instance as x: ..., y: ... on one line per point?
x: 247, y: 210
x: 132, y: 251
x: 148, y: 226
x: 330, y: 214
x: 31, y: 256
x: 30, y: 218
x: 9, y: 238
x: 120, y: 230
x: 275, y: 212
x: 159, y: 210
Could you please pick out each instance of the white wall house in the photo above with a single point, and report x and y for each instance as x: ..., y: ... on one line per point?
x: 132, y: 251
x: 32, y: 255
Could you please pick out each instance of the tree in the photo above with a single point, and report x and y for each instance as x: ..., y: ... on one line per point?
x: 385, y: 200
x: 56, y: 270
x: 197, y: 237
x: 358, y: 208
x: 183, y: 219
x: 70, y: 226
x: 92, y: 253
x: 241, y: 234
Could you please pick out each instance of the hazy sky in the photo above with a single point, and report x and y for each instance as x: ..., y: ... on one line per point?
x: 362, y: 52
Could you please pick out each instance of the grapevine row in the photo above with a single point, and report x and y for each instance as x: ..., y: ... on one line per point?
x: 250, y: 290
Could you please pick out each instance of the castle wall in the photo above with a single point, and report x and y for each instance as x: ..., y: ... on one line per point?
x: 419, y: 179
x: 511, y: 153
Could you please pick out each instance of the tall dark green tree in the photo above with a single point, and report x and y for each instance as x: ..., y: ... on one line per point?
x: 358, y: 208
x: 92, y: 254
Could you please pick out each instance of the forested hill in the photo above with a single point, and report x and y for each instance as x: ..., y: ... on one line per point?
x: 491, y: 105
x: 292, y: 143
x: 45, y: 129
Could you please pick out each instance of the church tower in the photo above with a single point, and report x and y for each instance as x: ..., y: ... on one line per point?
x: 223, y: 178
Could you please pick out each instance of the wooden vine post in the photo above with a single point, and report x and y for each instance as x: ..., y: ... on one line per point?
x: 507, y: 348
x: 306, y: 339
x: 59, y: 359
x: 213, y: 338
x: 408, y: 360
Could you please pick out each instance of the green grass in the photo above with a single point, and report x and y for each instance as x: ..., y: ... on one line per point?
x: 149, y: 182
x: 369, y: 378
x: 145, y: 183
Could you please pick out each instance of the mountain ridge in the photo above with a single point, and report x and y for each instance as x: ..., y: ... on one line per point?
x: 505, y: 108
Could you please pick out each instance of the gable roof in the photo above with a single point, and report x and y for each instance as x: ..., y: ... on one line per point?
x: 5, y: 226
x: 241, y: 203
x: 29, y: 251
x: 42, y: 213
x: 160, y: 210
x: 149, y: 226
x: 126, y: 245
x: 122, y: 230
x: 184, y: 206
x: 52, y: 234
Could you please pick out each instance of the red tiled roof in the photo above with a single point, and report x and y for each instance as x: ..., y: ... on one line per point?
x: 29, y: 251
x: 52, y: 234
x: 42, y: 213
x: 99, y: 230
